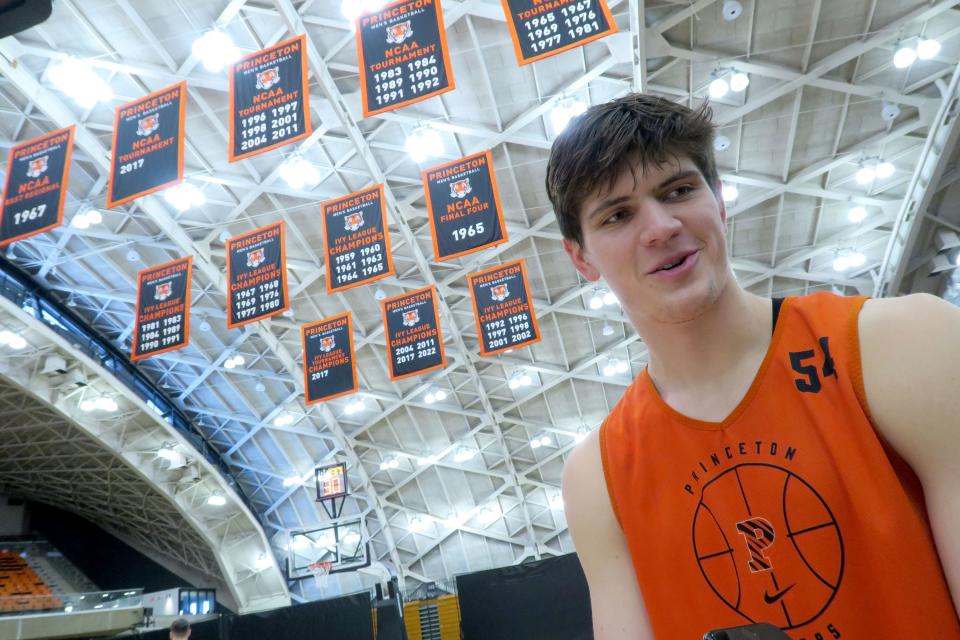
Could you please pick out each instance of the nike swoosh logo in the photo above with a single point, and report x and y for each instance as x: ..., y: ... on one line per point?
x: 770, y: 599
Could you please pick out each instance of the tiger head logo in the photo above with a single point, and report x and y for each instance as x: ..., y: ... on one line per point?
x: 163, y: 291
x: 460, y: 188
x: 327, y: 343
x: 500, y: 292
x: 267, y: 78
x: 37, y: 167
x: 399, y: 32
x: 353, y: 221
x: 148, y: 124
x: 255, y: 258
x: 411, y: 318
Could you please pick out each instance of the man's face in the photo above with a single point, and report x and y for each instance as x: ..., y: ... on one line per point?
x: 645, y: 222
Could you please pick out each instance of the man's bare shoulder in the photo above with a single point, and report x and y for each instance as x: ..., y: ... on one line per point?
x: 584, y: 488
x: 909, y: 348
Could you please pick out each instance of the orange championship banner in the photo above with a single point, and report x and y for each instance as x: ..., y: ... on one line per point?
x: 464, y: 206
x: 147, y: 145
x: 542, y: 28
x: 356, y: 239
x: 412, y: 325
x: 503, y: 308
x: 256, y: 275
x: 163, y: 309
x: 37, y: 177
x: 329, y: 363
x: 403, y: 55
x: 269, y: 99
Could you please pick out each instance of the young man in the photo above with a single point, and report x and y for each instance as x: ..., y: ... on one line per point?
x: 792, y: 462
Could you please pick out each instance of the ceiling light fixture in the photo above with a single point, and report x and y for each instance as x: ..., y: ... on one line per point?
x: 565, y: 110
x: 283, y: 420
x: 556, y: 501
x: 12, y: 340
x: 424, y: 142
x: 216, y: 500
x: 520, y: 378
x: 905, y: 55
x: 857, y: 213
x: 718, y: 86
x: 928, y: 49
x: 298, y: 173
x: 236, y: 361
x: 215, y: 50
x: 417, y: 524
x: 184, y: 196
x: 721, y: 143
x: 438, y: 395
x: 262, y: 562
x: 103, y: 403
x: 615, y: 366
x: 607, y: 329
x: 739, y: 81
x: 729, y: 193
x: 78, y: 80
x: 464, y: 454
x: 488, y: 515
x: 354, y: 406
x: 865, y: 174
x: 885, y: 169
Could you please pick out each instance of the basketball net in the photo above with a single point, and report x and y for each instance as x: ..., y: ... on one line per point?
x: 320, y: 571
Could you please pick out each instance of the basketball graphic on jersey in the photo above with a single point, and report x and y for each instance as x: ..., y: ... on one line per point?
x: 768, y: 545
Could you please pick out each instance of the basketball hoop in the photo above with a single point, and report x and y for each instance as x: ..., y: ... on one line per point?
x: 320, y: 571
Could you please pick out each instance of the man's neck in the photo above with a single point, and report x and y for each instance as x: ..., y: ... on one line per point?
x: 701, y: 353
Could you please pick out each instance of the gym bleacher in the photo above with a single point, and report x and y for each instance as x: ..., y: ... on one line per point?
x: 21, y: 589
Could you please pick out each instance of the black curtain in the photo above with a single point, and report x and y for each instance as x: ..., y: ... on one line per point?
x: 346, y: 618
x: 545, y: 599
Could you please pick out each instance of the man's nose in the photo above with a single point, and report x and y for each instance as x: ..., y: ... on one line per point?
x: 657, y: 224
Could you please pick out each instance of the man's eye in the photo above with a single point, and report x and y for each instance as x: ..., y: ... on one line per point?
x: 616, y: 216
x: 680, y: 192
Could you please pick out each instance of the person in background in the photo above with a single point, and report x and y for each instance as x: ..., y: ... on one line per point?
x: 180, y: 629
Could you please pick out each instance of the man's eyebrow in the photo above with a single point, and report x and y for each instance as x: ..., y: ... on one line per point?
x: 613, y: 202
x: 679, y: 175
x: 607, y: 204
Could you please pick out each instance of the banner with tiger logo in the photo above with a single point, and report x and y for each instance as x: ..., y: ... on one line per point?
x: 464, y: 206
x: 37, y: 176
x: 357, y: 240
x: 269, y: 99
x: 256, y: 275
x: 503, y: 308
x: 147, y: 145
x: 543, y: 29
x: 412, y: 326
x: 403, y: 55
x: 163, y: 309
x: 329, y: 365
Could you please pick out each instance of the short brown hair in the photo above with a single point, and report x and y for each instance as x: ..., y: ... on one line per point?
x: 635, y: 131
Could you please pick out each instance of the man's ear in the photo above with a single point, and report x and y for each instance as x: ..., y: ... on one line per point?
x: 580, y: 260
x: 718, y: 194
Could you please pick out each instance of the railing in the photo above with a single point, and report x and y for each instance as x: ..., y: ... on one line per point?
x: 69, y: 603
x: 18, y: 287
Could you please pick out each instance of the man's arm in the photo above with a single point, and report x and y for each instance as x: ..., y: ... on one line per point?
x: 618, y: 611
x: 910, y: 350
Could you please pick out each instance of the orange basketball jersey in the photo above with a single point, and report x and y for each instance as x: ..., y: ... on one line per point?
x: 791, y: 511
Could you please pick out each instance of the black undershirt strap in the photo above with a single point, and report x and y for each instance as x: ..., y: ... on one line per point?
x: 777, y: 303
